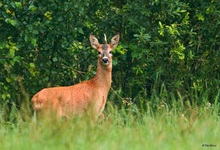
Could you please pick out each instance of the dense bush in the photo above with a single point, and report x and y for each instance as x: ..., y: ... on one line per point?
x: 167, y: 48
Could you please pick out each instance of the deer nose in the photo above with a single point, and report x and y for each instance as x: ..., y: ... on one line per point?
x: 105, y: 60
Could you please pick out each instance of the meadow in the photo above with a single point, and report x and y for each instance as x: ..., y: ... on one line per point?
x: 177, y: 127
x: 165, y: 72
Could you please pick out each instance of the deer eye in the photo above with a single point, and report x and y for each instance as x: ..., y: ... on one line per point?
x: 99, y: 53
x: 110, y: 52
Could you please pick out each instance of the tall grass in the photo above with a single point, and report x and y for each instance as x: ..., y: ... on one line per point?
x: 177, y: 126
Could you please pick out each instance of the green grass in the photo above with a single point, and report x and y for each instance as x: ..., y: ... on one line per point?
x: 165, y: 128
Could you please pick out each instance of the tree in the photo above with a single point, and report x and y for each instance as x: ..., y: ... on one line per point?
x: 168, y: 48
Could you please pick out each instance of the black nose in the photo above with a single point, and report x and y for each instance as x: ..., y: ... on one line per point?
x: 104, y: 60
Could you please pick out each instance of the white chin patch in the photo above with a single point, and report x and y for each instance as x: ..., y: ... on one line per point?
x: 105, y: 64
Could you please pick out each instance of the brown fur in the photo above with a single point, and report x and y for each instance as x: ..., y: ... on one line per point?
x: 86, y: 97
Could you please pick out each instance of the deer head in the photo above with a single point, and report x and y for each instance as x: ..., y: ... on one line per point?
x: 104, y: 50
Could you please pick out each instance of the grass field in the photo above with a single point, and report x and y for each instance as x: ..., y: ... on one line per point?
x: 165, y: 128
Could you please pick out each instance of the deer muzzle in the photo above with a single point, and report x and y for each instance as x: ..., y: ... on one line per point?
x: 105, y: 60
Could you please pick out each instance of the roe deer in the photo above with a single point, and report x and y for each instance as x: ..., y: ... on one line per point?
x: 87, y: 97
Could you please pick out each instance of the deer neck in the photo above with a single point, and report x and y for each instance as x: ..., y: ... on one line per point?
x: 103, y: 76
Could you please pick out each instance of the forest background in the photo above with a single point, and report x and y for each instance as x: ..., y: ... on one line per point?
x: 169, y: 50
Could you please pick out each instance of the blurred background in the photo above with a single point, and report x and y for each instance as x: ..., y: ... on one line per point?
x: 169, y: 50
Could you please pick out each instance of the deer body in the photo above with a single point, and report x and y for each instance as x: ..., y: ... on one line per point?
x: 86, y: 97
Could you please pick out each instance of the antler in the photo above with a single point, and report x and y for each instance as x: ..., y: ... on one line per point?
x: 105, y: 38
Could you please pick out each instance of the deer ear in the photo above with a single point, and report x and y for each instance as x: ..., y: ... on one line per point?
x: 115, y: 41
x: 94, y: 42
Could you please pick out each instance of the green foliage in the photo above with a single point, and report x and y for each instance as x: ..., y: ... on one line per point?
x: 166, y: 46
x: 121, y: 129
